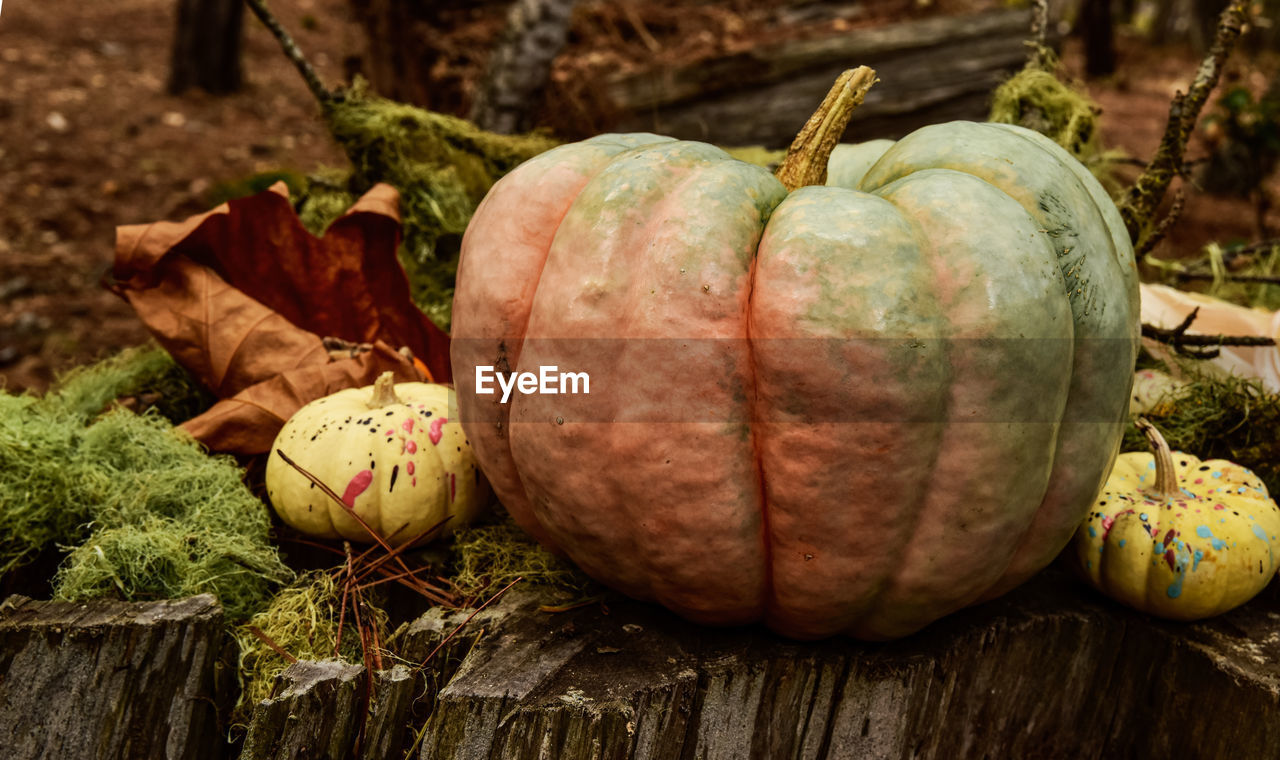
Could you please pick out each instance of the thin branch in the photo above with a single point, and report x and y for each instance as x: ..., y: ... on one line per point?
x: 1153, y: 238
x: 1141, y: 200
x: 461, y: 625
x: 293, y: 53
x: 265, y: 639
x: 1041, y: 56
x: 1257, y: 279
x: 342, y: 606
x: 1194, y: 346
x: 324, y: 487
x: 377, y: 563
x: 1257, y: 247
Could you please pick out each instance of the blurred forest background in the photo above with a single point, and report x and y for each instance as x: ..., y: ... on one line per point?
x: 138, y: 110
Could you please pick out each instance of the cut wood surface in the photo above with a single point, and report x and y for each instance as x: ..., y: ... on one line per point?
x: 319, y: 713
x: 931, y: 70
x: 111, y: 679
x: 1051, y: 671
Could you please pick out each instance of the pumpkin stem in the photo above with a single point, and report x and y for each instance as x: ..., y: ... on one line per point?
x: 806, y: 161
x: 384, y: 391
x: 1166, y: 478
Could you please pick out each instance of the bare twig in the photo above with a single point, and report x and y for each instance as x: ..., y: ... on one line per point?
x: 377, y: 563
x: 1259, y: 279
x: 461, y: 625
x: 556, y: 608
x: 642, y: 31
x: 324, y: 487
x: 293, y: 53
x: 1153, y: 238
x: 342, y: 606
x: 265, y: 639
x: 1193, y: 346
x: 1140, y: 201
x: 1041, y: 56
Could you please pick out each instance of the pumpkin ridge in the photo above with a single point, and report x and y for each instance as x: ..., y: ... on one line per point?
x: 969, y: 265
x: 757, y: 455
x: 817, y: 252
x: 1115, y: 273
x: 1095, y: 190
x: 542, y: 175
x: 622, y: 285
x: 929, y: 255
x: 1070, y: 206
x: 1072, y: 274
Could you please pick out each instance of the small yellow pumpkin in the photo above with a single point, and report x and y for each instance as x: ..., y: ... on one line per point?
x: 390, y: 450
x: 1155, y: 392
x: 1176, y: 537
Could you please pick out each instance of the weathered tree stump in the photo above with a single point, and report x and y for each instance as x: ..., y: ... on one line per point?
x: 932, y: 70
x: 1051, y: 671
x: 326, y: 711
x: 111, y: 679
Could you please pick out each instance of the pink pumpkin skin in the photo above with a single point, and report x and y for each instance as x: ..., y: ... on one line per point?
x: 753, y: 496
x: 495, y: 285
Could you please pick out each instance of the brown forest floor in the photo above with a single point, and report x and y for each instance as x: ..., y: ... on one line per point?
x: 90, y: 140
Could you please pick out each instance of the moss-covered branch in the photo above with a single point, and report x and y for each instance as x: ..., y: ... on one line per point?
x: 292, y: 52
x: 1140, y: 202
x: 1042, y: 58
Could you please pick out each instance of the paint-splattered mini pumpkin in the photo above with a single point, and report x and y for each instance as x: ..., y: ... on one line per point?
x: 1155, y: 392
x: 1177, y: 537
x: 390, y: 450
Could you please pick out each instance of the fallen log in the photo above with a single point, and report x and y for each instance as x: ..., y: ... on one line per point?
x: 930, y: 70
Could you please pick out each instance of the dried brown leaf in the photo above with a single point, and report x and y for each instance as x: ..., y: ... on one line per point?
x: 242, y: 295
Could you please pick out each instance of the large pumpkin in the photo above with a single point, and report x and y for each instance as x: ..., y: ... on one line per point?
x: 829, y: 409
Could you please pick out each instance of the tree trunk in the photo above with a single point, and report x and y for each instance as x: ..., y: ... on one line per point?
x: 1099, y: 38
x: 206, y: 46
x: 521, y: 64
x: 409, y: 41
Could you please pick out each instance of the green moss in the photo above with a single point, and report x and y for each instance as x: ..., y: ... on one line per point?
x: 157, y: 558
x: 141, y: 509
x: 142, y: 371
x: 326, y: 197
x: 302, y: 620
x: 486, y: 558
x: 1039, y: 100
x: 442, y: 166
x: 253, y: 184
x: 38, y: 443
x: 1221, y: 417
x: 760, y: 156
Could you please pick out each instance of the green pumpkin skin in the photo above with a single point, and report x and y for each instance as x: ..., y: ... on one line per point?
x: 977, y: 272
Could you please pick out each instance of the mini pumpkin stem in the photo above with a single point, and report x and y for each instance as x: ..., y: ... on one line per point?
x: 1166, y: 478
x: 384, y: 391
x: 806, y: 161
